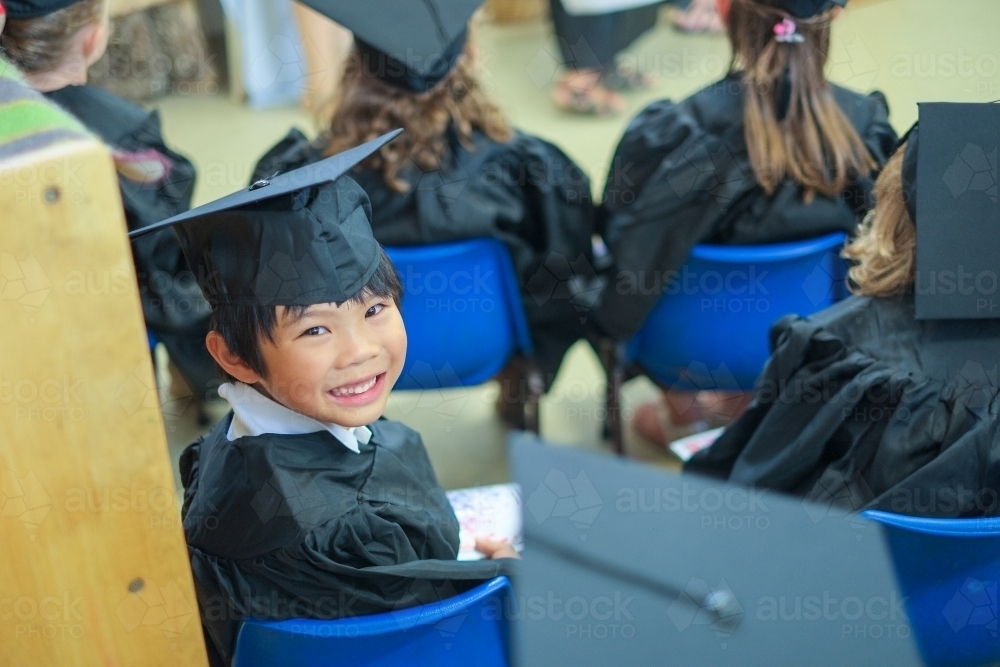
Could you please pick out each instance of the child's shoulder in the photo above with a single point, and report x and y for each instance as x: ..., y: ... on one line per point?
x: 106, y: 114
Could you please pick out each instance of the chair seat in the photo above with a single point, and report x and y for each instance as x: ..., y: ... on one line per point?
x: 948, y: 569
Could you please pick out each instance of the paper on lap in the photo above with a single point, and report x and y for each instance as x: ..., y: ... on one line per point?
x: 487, y: 511
x: 687, y: 447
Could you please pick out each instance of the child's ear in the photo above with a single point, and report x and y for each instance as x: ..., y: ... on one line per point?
x: 228, y: 360
x: 95, y: 39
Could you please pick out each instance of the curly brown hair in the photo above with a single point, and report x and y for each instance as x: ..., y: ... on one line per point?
x: 886, y: 246
x: 367, y: 107
x: 41, y: 44
x: 815, y: 144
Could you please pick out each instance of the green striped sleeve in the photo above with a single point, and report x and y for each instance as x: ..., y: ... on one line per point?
x: 28, y: 120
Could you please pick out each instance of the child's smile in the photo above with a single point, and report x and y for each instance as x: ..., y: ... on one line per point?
x: 360, y: 393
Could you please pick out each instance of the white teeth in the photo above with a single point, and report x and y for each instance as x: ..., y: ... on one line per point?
x: 356, y: 389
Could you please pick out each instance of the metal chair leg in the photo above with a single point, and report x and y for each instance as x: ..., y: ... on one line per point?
x: 536, y: 387
x: 611, y: 360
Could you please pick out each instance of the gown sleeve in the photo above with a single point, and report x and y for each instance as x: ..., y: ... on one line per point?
x: 838, y: 424
x: 670, y: 184
x: 156, y: 183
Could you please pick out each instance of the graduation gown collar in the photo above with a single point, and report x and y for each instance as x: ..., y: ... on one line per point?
x: 255, y: 414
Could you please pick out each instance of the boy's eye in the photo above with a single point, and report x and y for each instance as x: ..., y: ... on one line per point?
x: 316, y: 331
x: 375, y: 310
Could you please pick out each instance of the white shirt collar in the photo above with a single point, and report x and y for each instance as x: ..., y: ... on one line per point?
x: 255, y: 414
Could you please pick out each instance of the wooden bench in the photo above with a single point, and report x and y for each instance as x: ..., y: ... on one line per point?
x: 95, y: 569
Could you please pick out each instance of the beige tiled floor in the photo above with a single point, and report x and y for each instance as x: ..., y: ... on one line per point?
x: 912, y: 50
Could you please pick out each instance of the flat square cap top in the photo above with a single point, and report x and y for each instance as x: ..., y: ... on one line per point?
x: 411, y: 44
x: 953, y: 176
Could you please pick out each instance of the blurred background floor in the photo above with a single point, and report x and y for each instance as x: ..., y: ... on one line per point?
x: 912, y: 50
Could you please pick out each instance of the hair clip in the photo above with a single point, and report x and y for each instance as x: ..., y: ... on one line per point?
x: 785, y: 32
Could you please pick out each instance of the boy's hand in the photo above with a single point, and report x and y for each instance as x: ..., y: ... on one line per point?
x: 495, y: 548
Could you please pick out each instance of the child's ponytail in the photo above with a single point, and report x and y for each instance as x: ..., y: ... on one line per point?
x: 782, y: 60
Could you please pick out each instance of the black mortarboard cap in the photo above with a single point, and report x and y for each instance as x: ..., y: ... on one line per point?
x: 625, y: 564
x: 297, y: 239
x: 803, y: 9
x: 33, y: 9
x: 410, y: 44
x: 957, y: 215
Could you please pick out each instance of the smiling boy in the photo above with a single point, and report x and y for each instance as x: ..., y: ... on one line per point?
x: 328, y: 363
x: 303, y: 501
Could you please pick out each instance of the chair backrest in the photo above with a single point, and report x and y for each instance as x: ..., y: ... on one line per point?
x: 948, y: 569
x: 94, y: 569
x: 462, y: 310
x: 469, y: 629
x: 710, y: 328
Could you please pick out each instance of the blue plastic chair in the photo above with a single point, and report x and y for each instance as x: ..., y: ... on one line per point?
x: 948, y: 569
x: 463, y: 314
x: 468, y: 629
x: 710, y: 329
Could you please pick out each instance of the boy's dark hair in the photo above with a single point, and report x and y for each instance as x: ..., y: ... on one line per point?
x: 243, y: 327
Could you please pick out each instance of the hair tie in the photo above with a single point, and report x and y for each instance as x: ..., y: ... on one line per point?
x: 785, y: 32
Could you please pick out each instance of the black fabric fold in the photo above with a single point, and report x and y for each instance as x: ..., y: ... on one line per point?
x: 862, y: 406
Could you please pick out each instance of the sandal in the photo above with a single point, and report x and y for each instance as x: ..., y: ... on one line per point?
x: 596, y: 100
x: 627, y: 78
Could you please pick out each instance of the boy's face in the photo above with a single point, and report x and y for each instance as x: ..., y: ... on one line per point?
x: 336, y: 363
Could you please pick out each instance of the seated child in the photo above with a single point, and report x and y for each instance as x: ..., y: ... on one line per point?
x: 459, y: 171
x: 303, y: 501
x: 865, y: 406
x: 771, y: 153
x: 53, y: 42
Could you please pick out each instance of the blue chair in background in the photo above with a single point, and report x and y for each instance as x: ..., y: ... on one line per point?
x: 468, y: 629
x: 464, y: 318
x: 710, y: 329
x: 948, y: 569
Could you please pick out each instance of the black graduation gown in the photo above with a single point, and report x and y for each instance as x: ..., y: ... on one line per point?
x: 283, y: 526
x: 593, y: 41
x: 526, y: 193
x: 681, y: 176
x: 863, y: 406
x: 156, y: 183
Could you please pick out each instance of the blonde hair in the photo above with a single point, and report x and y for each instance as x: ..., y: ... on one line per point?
x: 815, y: 144
x: 886, y: 245
x: 41, y: 44
x: 367, y: 107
